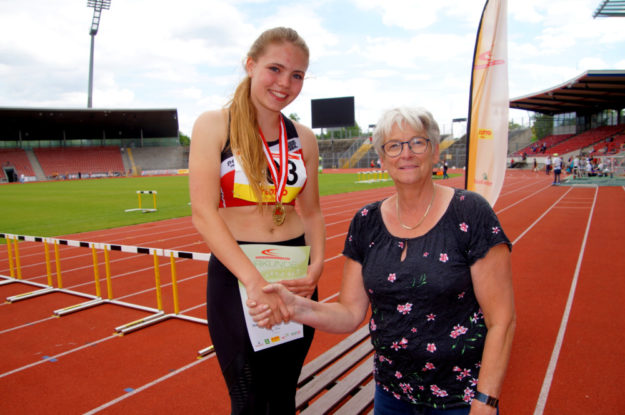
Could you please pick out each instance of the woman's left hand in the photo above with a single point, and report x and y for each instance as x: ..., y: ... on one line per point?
x: 303, y: 287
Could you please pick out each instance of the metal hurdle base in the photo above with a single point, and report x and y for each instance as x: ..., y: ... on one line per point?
x: 31, y: 294
x: 78, y: 307
x: 141, y: 323
x: 6, y: 280
x: 11, y: 280
x: 205, y: 352
x: 44, y: 289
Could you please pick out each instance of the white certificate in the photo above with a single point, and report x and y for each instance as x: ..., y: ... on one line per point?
x: 275, y: 263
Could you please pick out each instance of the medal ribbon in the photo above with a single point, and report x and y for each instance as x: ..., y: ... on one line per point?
x: 275, y: 174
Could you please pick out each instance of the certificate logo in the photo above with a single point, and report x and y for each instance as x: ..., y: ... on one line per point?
x: 270, y: 254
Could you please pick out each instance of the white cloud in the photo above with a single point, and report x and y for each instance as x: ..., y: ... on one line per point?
x: 589, y: 63
x: 188, y: 54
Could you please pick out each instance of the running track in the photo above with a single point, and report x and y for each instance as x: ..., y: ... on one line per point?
x: 568, y: 356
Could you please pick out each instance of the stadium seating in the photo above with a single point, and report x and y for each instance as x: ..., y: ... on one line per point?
x: 533, y: 149
x: 565, y: 143
x: 585, y: 139
x: 610, y: 146
x: 18, y: 159
x: 85, y: 160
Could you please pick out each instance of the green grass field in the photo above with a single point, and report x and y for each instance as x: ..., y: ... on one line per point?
x: 67, y: 207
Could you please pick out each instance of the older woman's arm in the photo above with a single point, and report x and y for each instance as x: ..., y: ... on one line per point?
x: 492, y: 282
x: 342, y: 316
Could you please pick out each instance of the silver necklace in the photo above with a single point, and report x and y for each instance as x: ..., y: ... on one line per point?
x: 410, y: 228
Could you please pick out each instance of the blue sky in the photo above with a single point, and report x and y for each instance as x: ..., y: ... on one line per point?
x: 188, y: 54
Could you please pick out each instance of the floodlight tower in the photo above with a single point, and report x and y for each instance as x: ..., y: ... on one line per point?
x: 98, y: 6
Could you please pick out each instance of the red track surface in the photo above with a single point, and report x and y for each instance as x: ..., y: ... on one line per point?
x: 567, y: 357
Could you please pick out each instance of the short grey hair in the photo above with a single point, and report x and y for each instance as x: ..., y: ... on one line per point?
x: 416, y: 117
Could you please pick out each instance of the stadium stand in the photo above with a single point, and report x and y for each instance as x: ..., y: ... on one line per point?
x: 535, y: 147
x: 63, y: 161
x: 598, y: 141
x: 334, y: 151
x: 610, y: 146
x: 159, y: 158
x: 586, y: 139
x: 18, y: 160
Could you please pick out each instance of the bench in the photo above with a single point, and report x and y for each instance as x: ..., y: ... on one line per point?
x: 339, y: 378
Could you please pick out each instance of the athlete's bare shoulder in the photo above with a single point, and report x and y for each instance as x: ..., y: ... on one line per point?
x: 211, y: 128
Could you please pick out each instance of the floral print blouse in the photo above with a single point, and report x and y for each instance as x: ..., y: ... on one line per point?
x: 426, y: 325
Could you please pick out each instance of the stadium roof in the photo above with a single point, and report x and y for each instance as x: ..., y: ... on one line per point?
x: 590, y: 92
x: 71, y: 124
x: 610, y: 8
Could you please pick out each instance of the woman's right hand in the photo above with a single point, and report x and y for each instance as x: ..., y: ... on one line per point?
x: 267, y: 302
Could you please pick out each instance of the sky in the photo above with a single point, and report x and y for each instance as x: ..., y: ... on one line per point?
x: 188, y: 54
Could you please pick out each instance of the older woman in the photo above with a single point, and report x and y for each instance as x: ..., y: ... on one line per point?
x: 434, y: 264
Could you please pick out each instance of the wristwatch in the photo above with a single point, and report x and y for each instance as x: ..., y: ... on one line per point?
x: 488, y: 400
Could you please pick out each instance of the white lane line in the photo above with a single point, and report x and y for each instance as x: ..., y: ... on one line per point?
x: 555, y: 354
x: 147, y: 385
x: 49, y: 359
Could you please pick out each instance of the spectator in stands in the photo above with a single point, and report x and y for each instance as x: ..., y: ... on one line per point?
x: 557, y: 168
x: 543, y: 148
x: 233, y: 150
x: 434, y: 265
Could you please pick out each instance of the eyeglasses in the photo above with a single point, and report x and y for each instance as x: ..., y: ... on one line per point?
x: 417, y: 145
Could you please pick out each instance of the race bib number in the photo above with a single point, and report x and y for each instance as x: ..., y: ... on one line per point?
x: 295, y: 180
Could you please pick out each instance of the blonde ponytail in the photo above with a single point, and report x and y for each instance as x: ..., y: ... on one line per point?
x: 245, y: 140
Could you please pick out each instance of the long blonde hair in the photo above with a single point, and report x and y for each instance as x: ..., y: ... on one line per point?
x: 244, y: 136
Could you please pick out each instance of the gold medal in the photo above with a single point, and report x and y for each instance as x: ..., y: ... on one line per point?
x: 279, y: 214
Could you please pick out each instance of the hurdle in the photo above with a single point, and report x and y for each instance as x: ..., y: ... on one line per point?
x: 156, y: 314
x: 16, y: 274
x: 44, y: 289
x: 144, y: 210
x: 372, y: 176
x: 49, y: 288
x: 161, y: 316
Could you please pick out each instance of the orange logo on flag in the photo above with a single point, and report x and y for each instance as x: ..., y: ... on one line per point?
x: 489, y: 61
x: 485, y: 134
